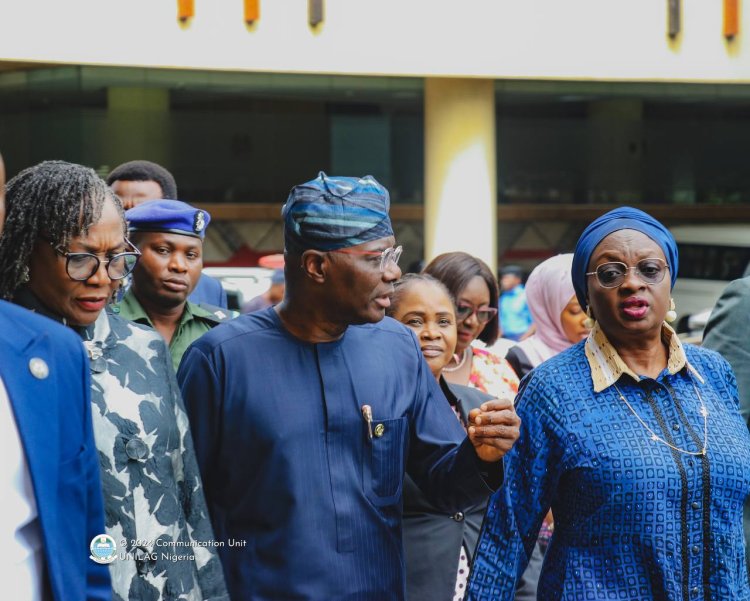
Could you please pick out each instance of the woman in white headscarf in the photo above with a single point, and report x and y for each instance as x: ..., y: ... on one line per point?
x: 558, y: 317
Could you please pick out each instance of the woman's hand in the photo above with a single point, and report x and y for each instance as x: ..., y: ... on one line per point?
x: 493, y: 429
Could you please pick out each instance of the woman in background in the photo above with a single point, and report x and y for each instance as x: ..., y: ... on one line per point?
x: 438, y: 545
x: 559, y: 319
x: 471, y: 283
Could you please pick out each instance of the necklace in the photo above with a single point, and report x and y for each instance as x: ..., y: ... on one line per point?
x: 460, y: 364
x: 656, y: 438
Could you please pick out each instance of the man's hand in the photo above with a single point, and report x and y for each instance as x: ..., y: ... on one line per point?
x: 493, y: 428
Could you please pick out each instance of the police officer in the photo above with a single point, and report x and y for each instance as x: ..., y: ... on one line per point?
x: 169, y: 234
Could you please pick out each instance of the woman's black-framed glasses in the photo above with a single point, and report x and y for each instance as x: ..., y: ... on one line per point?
x: 484, y: 314
x: 612, y: 274
x: 387, y: 256
x: 82, y: 266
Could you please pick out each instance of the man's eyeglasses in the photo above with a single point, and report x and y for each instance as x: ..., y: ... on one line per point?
x: 387, y: 256
x: 82, y: 266
x: 484, y: 314
x: 612, y: 275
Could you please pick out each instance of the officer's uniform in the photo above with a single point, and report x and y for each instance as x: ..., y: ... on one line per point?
x: 196, y: 320
x: 176, y: 217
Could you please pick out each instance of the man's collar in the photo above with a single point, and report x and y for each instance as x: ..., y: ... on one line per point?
x: 130, y: 308
x: 189, y: 311
x: 607, y: 366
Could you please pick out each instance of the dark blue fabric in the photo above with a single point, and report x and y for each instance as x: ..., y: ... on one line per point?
x: 53, y: 416
x: 209, y: 291
x: 622, y: 218
x: 634, y: 520
x: 288, y: 466
x: 168, y: 216
x: 329, y: 213
x: 432, y: 538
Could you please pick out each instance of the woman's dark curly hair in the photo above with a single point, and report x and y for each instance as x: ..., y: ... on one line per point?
x: 54, y: 200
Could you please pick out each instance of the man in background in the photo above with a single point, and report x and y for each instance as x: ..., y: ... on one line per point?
x: 515, y: 317
x: 135, y: 182
x: 270, y: 297
x: 727, y: 333
x: 169, y: 234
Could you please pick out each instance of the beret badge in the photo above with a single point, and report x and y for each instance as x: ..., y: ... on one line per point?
x: 199, y: 222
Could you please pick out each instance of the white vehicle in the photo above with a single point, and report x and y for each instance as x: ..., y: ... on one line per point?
x: 241, y: 283
x: 711, y: 256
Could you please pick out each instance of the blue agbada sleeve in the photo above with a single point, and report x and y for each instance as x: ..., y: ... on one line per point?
x: 452, y: 479
x: 516, y: 511
x: 201, y: 389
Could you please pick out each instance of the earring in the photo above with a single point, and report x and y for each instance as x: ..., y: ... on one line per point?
x: 589, y: 322
x: 671, y: 314
x: 25, y: 277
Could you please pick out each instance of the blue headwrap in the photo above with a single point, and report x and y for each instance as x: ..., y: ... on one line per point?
x: 329, y: 213
x: 623, y: 218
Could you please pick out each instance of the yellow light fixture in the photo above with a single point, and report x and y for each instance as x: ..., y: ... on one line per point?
x: 185, y: 9
x: 731, y: 18
x: 252, y: 11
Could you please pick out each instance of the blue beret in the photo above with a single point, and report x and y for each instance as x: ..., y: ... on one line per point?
x: 329, y: 213
x: 623, y: 218
x: 173, y: 216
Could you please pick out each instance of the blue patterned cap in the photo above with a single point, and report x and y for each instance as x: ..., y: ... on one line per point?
x: 173, y: 216
x: 329, y: 213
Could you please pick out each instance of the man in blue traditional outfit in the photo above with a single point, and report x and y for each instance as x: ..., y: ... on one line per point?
x: 306, y: 415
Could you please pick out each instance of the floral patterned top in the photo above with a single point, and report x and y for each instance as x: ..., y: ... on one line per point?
x: 491, y: 374
x: 153, y: 497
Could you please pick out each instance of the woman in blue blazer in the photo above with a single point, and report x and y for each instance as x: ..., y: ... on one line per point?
x: 45, y: 376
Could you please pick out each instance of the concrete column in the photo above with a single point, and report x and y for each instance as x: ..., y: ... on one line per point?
x: 460, y: 168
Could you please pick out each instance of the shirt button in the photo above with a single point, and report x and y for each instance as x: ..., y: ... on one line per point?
x: 695, y: 591
x: 675, y: 426
x: 695, y: 505
x: 458, y: 516
x: 696, y: 549
x: 136, y: 449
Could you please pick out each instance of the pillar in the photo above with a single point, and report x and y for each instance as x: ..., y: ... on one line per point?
x: 460, y: 168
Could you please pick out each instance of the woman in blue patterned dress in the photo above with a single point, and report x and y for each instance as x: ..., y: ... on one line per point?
x: 62, y: 253
x: 632, y: 438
